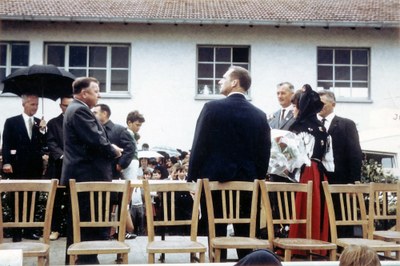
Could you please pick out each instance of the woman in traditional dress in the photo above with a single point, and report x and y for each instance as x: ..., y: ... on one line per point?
x: 307, y: 104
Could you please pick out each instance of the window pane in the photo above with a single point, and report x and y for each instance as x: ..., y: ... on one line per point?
x: 220, y: 70
x: 240, y: 55
x: 360, y: 85
x: 19, y: 55
x: 56, y: 55
x: 78, y: 72
x: 325, y: 85
x: 2, y: 74
x: 325, y: 56
x: 98, y: 56
x: 360, y: 73
x: 325, y: 73
x: 223, y: 54
x: 342, y: 57
x: 206, y: 54
x: 77, y: 56
x: 360, y: 57
x: 206, y: 71
x: 119, y: 80
x: 342, y: 73
x: 3, y: 54
x: 246, y: 66
x: 205, y: 87
x: 342, y: 84
x: 101, y: 77
x: 120, y: 57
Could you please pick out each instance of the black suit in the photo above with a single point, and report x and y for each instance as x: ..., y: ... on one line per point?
x: 231, y: 143
x: 23, y: 153
x: 120, y: 136
x: 88, y: 156
x: 347, y: 152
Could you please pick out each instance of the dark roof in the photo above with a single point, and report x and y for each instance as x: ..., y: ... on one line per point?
x: 357, y: 13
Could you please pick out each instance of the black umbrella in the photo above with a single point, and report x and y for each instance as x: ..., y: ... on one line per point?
x: 46, y: 81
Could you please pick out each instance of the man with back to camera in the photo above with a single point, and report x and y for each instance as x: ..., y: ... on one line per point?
x: 231, y: 142
x: 88, y: 154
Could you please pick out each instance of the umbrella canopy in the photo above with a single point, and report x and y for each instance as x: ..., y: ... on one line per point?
x: 148, y: 154
x: 46, y: 81
x: 171, y: 151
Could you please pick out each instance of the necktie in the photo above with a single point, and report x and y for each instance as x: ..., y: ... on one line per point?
x: 30, y: 125
x: 283, y: 114
x: 323, y: 121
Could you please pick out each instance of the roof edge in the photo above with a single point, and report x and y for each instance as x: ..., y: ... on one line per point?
x: 277, y: 23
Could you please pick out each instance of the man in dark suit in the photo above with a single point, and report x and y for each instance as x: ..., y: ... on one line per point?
x: 347, y: 154
x: 232, y: 139
x: 88, y: 154
x: 24, y: 140
x: 283, y: 118
x: 55, y: 143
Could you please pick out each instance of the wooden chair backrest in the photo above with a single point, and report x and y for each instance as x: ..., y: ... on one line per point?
x: 102, y: 198
x: 27, y: 194
x: 382, y: 204
x: 351, y: 210
x: 230, y: 193
x: 167, y: 190
x: 287, y: 211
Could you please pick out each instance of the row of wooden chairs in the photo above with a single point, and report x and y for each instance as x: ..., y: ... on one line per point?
x: 352, y: 200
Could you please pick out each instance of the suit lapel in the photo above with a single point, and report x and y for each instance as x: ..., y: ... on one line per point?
x: 287, y: 118
x: 333, y: 126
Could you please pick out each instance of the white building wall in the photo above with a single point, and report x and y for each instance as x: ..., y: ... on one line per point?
x: 163, y: 63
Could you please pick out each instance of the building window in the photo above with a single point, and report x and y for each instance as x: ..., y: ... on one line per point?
x: 109, y: 63
x: 344, y: 71
x: 214, y: 61
x: 13, y: 55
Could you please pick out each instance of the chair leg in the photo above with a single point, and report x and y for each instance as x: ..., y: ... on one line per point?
x: 41, y: 261
x: 72, y: 259
x: 202, y: 256
x: 332, y: 255
x: 151, y: 258
x: 124, y: 257
x: 217, y: 255
x: 288, y: 255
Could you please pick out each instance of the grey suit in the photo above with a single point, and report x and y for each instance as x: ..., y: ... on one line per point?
x: 284, y: 125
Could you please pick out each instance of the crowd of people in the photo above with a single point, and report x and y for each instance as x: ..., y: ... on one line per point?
x: 232, y: 142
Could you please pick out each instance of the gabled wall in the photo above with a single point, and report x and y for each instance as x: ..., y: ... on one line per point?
x: 163, y: 64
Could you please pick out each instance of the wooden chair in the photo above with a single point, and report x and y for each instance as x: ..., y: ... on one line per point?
x: 381, y: 205
x: 167, y: 191
x: 30, y: 216
x: 230, y: 194
x: 352, y: 211
x: 286, y: 193
x: 102, y: 197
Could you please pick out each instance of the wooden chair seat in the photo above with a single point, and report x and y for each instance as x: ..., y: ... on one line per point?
x: 101, y: 247
x: 29, y: 249
x: 169, y: 246
x: 378, y: 245
x: 235, y: 241
x: 391, y: 236
x: 303, y: 244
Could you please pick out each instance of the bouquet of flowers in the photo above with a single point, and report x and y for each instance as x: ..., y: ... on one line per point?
x: 288, y: 154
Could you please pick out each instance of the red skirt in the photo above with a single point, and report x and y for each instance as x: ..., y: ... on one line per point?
x: 319, y: 219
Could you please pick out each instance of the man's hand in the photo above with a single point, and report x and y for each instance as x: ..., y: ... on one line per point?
x: 43, y: 123
x: 7, y: 169
x: 118, y: 150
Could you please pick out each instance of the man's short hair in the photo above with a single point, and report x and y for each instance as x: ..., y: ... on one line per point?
x: 82, y: 83
x: 134, y: 116
x: 104, y: 108
x: 290, y: 85
x: 330, y: 95
x: 243, y: 75
x: 25, y: 97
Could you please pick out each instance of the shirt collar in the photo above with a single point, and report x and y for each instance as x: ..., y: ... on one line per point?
x: 236, y: 92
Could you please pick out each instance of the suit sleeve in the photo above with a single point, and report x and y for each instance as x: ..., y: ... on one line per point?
x: 52, y: 142
x: 199, y: 147
x: 264, y: 151
x: 354, y: 151
x: 127, y: 144
x: 8, y: 142
x: 92, y: 134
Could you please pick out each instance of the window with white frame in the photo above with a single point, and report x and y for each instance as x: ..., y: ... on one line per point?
x: 214, y: 61
x: 109, y: 63
x: 13, y: 55
x: 345, y: 71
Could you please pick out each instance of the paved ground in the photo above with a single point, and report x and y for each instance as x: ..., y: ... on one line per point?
x: 137, y: 255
